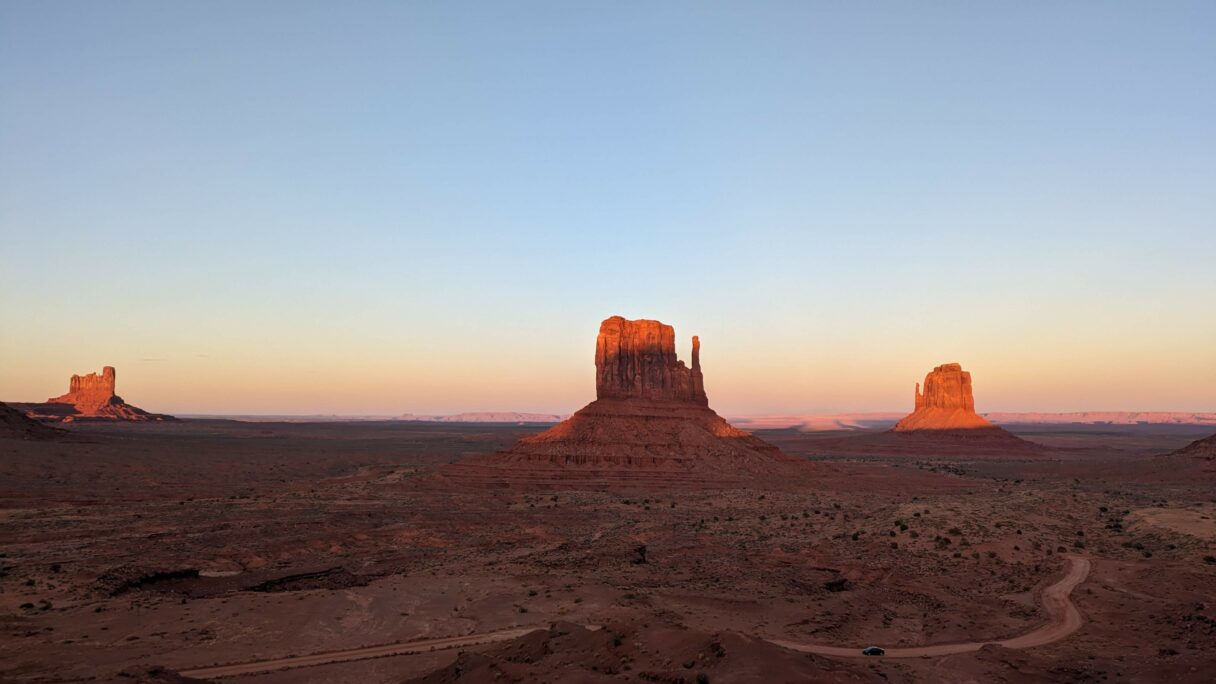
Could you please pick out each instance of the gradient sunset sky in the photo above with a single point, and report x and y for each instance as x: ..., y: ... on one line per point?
x: 428, y: 207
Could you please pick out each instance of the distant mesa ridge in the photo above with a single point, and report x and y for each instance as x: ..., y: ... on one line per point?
x: 650, y: 425
x: 89, y: 396
x: 487, y: 417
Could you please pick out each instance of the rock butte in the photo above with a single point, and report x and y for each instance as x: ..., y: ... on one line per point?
x: 92, y: 397
x: 946, y: 404
x: 650, y: 423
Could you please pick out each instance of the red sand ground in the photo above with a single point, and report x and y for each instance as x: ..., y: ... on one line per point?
x: 191, y: 544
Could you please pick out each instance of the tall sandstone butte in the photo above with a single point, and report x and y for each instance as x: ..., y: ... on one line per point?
x: 637, y: 359
x: 947, y: 403
x: 650, y: 424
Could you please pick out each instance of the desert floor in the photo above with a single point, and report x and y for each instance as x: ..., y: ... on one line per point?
x: 133, y: 547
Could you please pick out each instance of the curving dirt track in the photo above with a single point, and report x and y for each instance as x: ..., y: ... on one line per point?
x: 368, y: 652
x: 1064, y: 620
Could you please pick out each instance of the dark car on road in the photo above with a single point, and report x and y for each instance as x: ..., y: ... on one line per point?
x: 873, y: 651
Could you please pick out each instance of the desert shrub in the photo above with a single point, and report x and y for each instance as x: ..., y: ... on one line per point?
x: 955, y: 531
x: 838, y: 584
x: 640, y: 551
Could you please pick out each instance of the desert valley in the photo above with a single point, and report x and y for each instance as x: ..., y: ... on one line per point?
x: 680, y: 342
x: 644, y: 538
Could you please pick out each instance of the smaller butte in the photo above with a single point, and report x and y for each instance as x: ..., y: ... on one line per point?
x: 89, y: 397
x: 947, y: 403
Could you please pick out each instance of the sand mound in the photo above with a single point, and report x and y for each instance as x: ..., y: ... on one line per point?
x: 1201, y: 448
x: 15, y: 425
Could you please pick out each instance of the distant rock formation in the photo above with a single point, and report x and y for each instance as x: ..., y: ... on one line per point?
x: 1104, y: 418
x: 91, y: 393
x: 946, y: 404
x: 943, y: 423
x: 650, y: 425
x: 89, y: 397
x: 16, y: 425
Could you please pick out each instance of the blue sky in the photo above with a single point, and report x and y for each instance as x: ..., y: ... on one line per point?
x: 388, y: 207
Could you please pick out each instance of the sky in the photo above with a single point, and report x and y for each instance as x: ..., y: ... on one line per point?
x: 379, y: 208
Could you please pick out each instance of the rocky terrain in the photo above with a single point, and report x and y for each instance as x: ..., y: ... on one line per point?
x: 154, y: 548
x: 1203, y: 448
x: 89, y: 397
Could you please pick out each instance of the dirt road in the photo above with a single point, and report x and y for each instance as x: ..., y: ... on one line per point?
x: 1064, y: 620
x: 407, y: 648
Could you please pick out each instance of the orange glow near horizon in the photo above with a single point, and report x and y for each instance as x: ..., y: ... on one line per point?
x: 793, y: 376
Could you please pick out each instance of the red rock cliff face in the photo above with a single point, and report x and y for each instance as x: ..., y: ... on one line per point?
x: 88, y: 393
x: 637, y: 360
x: 947, y: 387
